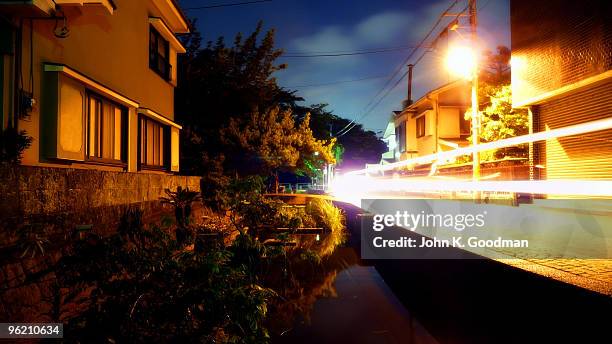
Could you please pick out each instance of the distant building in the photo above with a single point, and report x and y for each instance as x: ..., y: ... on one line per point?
x: 561, y: 72
x: 434, y: 123
x: 391, y: 141
x: 93, y: 81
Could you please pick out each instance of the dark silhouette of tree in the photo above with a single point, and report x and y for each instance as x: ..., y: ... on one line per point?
x: 230, y: 105
x: 495, y: 70
x: 219, y: 83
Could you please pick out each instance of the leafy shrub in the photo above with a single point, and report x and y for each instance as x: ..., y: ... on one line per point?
x: 222, y: 193
x: 12, y: 145
x: 181, y: 200
x: 331, y: 218
x: 143, y: 288
x: 140, y: 285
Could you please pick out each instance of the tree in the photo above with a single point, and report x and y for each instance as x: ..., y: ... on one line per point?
x: 496, y: 67
x: 219, y: 83
x: 500, y: 121
x: 356, y: 148
x: 267, y: 142
x: 231, y: 106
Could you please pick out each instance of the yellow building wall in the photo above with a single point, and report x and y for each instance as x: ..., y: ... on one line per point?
x: 411, y: 140
x: 448, y: 123
x: 427, y: 144
x: 110, y: 49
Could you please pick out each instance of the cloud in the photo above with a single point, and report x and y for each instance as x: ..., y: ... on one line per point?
x: 331, y: 38
x: 388, y: 28
x: 383, y: 28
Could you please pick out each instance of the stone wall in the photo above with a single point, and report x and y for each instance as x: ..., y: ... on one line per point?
x: 61, y: 199
x: 85, y: 195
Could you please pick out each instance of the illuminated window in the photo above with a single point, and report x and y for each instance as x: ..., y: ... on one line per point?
x: 153, y: 143
x: 106, y: 126
x: 159, y: 54
x: 420, y: 126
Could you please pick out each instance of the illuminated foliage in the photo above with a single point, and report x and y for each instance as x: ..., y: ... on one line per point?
x: 266, y: 142
x: 355, y: 148
x: 500, y: 121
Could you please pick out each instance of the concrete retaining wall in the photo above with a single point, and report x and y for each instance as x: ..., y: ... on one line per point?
x: 62, y: 199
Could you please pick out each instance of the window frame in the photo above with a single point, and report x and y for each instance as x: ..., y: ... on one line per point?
x: 421, y: 122
x: 123, y: 131
x: 154, y: 55
x: 164, y: 151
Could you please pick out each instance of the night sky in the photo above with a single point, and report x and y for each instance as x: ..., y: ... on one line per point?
x: 333, y: 26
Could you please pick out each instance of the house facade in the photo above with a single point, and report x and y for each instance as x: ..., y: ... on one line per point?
x: 434, y: 123
x: 92, y: 82
x: 562, y: 72
x: 390, y: 140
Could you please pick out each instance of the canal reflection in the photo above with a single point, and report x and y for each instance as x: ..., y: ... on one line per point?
x: 341, y: 300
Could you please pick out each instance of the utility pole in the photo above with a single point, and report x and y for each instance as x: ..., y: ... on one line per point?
x: 475, y: 114
x: 409, y: 100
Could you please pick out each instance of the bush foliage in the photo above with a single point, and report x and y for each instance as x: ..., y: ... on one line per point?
x: 144, y: 285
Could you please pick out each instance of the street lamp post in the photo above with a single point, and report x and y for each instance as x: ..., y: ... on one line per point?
x: 463, y: 62
x: 475, y: 114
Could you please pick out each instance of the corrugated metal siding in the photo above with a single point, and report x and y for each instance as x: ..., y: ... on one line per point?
x: 587, y: 156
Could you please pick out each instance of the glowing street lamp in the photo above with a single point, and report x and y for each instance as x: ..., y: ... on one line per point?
x: 461, y: 61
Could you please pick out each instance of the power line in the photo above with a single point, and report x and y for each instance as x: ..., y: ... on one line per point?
x: 348, y: 127
x: 384, y: 50
x: 385, y: 95
x: 225, y: 5
x: 352, y: 50
x: 397, y: 70
x: 339, y: 82
x: 375, y: 105
x: 405, y: 73
x: 395, y: 85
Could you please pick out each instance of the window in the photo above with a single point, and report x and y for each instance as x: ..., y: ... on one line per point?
x: 420, y: 126
x: 106, y: 127
x: 465, y: 125
x: 159, y: 54
x: 401, y: 136
x: 153, y: 144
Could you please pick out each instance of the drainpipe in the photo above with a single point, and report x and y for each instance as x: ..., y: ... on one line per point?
x: 17, y: 70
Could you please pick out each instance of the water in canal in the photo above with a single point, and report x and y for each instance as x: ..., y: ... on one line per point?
x: 435, y: 301
x: 355, y: 305
x: 345, y: 300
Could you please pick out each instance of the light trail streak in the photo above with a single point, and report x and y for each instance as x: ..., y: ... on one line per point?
x: 354, y: 188
x: 356, y: 185
x: 577, y: 129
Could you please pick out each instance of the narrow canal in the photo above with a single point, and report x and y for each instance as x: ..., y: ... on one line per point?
x: 444, y: 301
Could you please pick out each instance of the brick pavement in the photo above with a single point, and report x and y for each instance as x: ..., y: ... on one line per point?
x: 592, y: 274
